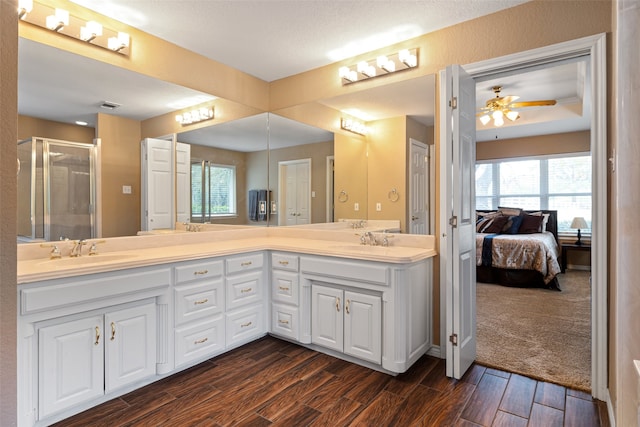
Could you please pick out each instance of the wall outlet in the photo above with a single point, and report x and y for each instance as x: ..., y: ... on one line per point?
x: 378, y: 206
x: 126, y: 189
x: 356, y: 206
x: 313, y: 194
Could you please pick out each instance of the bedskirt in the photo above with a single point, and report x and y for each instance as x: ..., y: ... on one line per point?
x: 515, y: 278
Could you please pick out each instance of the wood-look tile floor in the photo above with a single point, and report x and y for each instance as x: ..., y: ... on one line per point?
x: 273, y: 382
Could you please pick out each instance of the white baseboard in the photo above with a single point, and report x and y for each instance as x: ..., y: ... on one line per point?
x: 435, y: 351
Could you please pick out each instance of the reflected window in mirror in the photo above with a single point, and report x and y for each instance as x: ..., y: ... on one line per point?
x: 213, y: 191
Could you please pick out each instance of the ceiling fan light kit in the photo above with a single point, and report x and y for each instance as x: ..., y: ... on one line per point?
x: 500, y: 107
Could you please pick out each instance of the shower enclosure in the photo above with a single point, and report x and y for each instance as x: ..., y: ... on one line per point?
x: 56, y: 190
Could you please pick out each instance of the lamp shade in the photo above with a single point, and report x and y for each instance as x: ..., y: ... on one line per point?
x: 579, y: 223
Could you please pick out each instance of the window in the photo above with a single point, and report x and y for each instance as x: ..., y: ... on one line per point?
x: 549, y: 182
x: 213, y: 190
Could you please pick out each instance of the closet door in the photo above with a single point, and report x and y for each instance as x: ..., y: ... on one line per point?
x: 157, y: 184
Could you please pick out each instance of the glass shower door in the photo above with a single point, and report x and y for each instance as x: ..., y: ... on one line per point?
x: 69, y: 190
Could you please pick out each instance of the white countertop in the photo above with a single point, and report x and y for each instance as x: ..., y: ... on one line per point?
x: 139, y: 251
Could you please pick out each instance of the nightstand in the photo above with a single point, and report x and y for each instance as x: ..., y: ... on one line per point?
x: 566, y: 247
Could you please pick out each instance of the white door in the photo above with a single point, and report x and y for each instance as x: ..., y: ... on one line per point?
x: 363, y: 326
x: 326, y: 317
x: 71, y: 364
x: 183, y: 182
x: 130, y: 345
x: 418, y: 187
x: 295, y: 185
x: 157, y: 179
x: 457, y: 112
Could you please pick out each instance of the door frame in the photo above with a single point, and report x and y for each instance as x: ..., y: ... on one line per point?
x: 595, y: 47
x: 329, y: 196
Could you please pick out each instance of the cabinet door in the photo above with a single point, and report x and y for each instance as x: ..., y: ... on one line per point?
x: 130, y: 345
x: 363, y: 326
x: 326, y: 317
x: 71, y: 362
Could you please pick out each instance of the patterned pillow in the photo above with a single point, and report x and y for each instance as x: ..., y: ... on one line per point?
x: 512, y: 225
x: 484, y: 220
x: 509, y: 211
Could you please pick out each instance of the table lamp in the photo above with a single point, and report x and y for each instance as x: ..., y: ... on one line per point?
x: 579, y: 222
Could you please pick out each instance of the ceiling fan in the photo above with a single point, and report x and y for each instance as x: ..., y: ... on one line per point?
x: 500, y: 107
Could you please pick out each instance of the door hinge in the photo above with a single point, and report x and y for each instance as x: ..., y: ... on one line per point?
x: 453, y: 103
x: 453, y: 221
x: 453, y: 338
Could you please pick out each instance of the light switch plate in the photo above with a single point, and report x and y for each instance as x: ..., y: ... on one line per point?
x: 126, y: 189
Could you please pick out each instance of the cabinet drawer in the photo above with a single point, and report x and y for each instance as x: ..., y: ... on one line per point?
x: 200, y: 340
x: 198, y: 270
x: 245, y: 325
x: 284, y: 262
x: 284, y: 287
x: 198, y: 300
x: 285, y: 321
x: 245, y: 263
x: 243, y: 289
x: 362, y: 271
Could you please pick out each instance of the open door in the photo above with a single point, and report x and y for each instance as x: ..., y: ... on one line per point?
x: 157, y: 184
x: 458, y: 217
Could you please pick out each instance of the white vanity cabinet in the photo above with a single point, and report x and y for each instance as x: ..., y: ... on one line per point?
x: 245, y: 298
x: 364, y: 311
x: 81, y: 359
x: 348, y: 322
x: 198, y: 310
x: 82, y: 338
x: 285, y: 296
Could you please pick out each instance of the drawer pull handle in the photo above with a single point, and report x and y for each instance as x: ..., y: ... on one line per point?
x: 201, y: 341
x: 337, y: 304
x: 283, y: 288
x: 245, y: 290
x: 97, y: 335
x: 284, y: 322
x: 200, y: 272
x: 202, y: 301
x: 244, y: 325
x: 113, y: 331
x: 246, y: 264
x: 284, y: 262
x: 346, y: 308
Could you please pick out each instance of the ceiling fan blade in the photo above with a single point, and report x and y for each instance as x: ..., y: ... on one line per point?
x: 509, y: 99
x: 540, y: 103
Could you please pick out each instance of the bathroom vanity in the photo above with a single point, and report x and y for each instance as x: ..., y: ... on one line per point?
x: 95, y: 327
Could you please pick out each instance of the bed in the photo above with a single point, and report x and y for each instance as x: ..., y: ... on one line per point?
x: 518, y: 248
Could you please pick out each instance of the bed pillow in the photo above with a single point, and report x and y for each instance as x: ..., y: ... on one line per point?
x: 496, y: 225
x: 530, y: 224
x: 512, y: 225
x: 509, y: 211
x: 545, y: 219
x: 484, y: 220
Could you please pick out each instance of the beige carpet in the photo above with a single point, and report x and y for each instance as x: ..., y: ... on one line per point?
x: 539, y: 333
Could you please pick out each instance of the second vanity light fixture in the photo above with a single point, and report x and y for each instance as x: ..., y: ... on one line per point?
x: 60, y: 21
x: 382, y: 65
x: 353, y: 126
x: 195, y: 116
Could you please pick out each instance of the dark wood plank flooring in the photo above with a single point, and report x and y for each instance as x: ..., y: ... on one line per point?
x: 273, y: 382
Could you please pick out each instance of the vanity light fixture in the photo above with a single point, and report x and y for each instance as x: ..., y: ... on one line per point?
x: 353, y: 126
x: 58, y: 20
x: 382, y: 65
x: 90, y: 31
x: 32, y: 12
x: 24, y: 7
x: 195, y: 116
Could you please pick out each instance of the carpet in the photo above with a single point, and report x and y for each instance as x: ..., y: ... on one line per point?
x: 543, y: 334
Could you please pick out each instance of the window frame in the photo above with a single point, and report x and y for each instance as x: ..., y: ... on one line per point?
x: 205, y: 214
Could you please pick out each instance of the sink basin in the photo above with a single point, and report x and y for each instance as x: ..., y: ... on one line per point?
x: 88, y: 260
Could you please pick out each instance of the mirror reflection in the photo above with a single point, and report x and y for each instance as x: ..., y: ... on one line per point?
x: 270, y: 169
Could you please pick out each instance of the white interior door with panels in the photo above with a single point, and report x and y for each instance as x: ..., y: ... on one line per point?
x: 157, y: 184
x: 295, y: 192
x: 418, y: 187
x: 183, y: 182
x: 458, y: 216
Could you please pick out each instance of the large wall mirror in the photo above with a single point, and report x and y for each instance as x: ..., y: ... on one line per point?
x: 311, y: 171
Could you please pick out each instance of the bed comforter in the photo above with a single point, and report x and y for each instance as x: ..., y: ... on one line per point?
x: 537, y: 251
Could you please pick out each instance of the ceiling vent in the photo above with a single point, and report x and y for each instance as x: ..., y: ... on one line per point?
x: 109, y: 105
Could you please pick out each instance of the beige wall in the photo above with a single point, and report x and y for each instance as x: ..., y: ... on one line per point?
x: 31, y: 126
x: 120, y: 165
x: 8, y: 155
x: 350, y: 176
x: 231, y: 158
x: 563, y: 143
x: 318, y: 154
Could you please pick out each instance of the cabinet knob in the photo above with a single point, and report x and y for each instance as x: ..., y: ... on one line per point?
x: 113, y: 331
x: 97, y: 335
x: 346, y: 307
x: 337, y: 304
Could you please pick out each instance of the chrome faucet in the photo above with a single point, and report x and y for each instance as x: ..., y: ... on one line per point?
x: 76, y: 251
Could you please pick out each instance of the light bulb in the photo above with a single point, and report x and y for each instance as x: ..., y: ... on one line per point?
x: 484, y: 119
x: 496, y: 114
x: 513, y: 115
x: 498, y: 121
